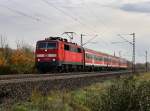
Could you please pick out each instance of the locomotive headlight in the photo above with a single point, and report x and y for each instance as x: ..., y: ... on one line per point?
x: 38, y: 60
x: 53, y: 60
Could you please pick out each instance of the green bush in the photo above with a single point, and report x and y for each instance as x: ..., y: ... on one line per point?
x: 5, y: 70
x: 123, y: 95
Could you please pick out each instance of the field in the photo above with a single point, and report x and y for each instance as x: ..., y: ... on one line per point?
x: 125, y: 94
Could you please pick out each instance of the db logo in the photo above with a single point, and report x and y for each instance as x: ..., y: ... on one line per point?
x: 46, y: 55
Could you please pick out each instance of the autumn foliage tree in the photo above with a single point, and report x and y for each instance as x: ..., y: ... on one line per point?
x: 2, y: 60
x: 18, y: 61
x: 22, y: 60
x: 5, y: 53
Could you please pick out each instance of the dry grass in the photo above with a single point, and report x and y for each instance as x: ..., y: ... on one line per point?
x: 143, y: 77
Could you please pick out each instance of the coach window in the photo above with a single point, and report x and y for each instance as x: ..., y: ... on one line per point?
x: 102, y: 59
x: 67, y: 47
x: 86, y: 55
x: 106, y: 59
x: 96, y: 58
x: 99, y: 59
x: 91, y: 56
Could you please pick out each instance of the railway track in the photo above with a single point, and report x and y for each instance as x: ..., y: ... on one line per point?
x: 28, y: 76
x: 55, y: 76
x: 19, y: 76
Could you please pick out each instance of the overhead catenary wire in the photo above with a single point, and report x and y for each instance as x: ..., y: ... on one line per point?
x: 92, y: 12
x: 72, y: 17
x: 89, y: 40
x: 42, y: 17
x: 21, y: 13
x: 60, y: 10
x: 38, y: 19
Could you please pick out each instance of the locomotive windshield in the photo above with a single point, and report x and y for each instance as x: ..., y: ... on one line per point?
x: 46, y: 45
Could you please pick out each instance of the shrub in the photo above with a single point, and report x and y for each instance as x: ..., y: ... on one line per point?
x: 124, y: 95
x: 2, y: 60
x: 4, y: 67
x: 22, y: 62
x: 16, y: 61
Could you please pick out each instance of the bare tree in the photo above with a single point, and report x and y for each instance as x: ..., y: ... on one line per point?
x: 21, y: 45
x: 3, y: 41
x: 5, y: 50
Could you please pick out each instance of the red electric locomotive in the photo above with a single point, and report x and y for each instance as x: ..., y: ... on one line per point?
x: 55, y: 53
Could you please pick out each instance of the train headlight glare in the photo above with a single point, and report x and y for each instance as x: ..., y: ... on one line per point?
x: 53, y: 60
x: 38, y: 60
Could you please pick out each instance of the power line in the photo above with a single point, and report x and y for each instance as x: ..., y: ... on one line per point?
x: 37, y: 17
x: 95, y: 16
x: 125, y: 39
x: 133, y: 53
x: 92, y: 12
x: 66, y: 14
x: 89, y: 40
x: 133, y: 49
x: 20, y: 13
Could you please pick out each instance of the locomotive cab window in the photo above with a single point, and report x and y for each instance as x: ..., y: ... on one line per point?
x: 46, y: 45
x: 41, y: 45
x: 51, y: 45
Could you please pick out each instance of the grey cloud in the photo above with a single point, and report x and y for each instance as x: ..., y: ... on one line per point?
x: 141, y: 7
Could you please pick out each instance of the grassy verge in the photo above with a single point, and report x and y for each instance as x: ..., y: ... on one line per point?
x: 126, y: 94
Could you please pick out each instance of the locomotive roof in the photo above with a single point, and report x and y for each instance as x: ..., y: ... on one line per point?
x: 54, y: 39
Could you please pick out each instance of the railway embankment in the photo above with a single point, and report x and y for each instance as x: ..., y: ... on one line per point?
x: 118, y: 94
x: 14, y: 89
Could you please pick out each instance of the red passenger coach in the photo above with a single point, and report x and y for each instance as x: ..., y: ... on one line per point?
x: 55, y: 53
x: 101, y: 61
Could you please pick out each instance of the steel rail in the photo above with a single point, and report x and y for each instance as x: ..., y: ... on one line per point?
x: 19, y: 76
x: 57, y: 76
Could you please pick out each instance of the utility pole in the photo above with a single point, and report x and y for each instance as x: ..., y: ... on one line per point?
x: 133, y: 56
x: 120, y: 54
x: 133, y: 50
x: 114, y: 53
x: 146, y: 63
x: 82, y: 39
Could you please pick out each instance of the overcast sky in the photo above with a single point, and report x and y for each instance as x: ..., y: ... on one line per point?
x: 32, y: 20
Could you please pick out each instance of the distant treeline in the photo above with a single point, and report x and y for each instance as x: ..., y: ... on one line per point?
x: 16, y: 61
